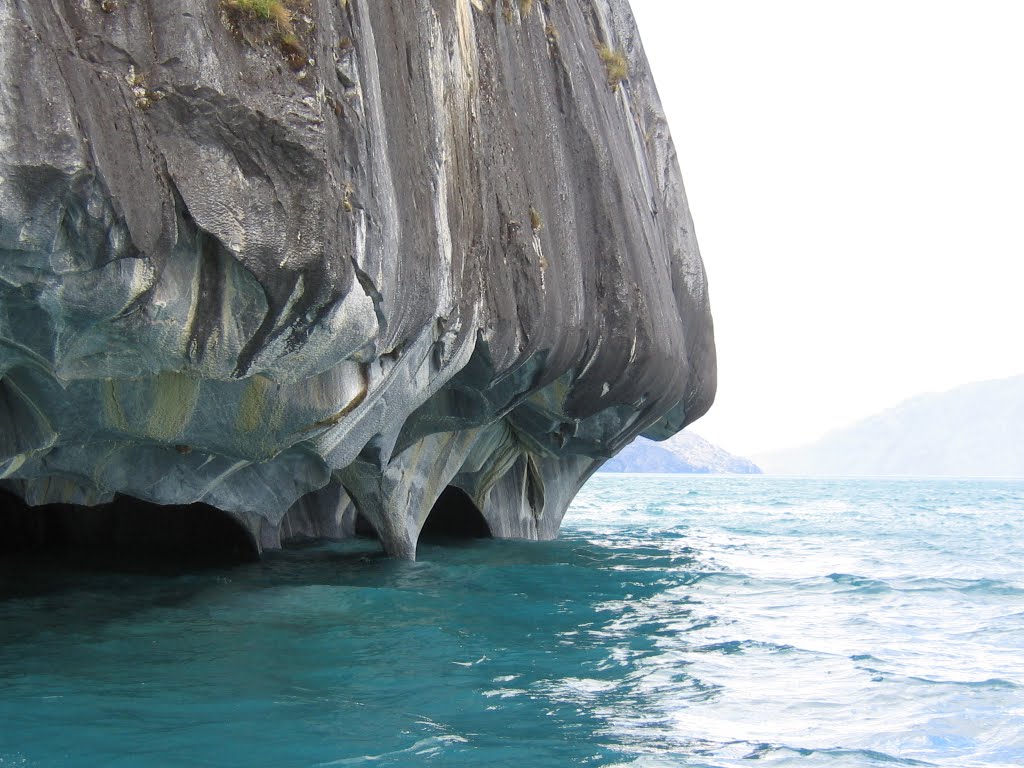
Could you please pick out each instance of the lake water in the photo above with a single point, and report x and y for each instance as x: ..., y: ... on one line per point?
x: 678, y: 621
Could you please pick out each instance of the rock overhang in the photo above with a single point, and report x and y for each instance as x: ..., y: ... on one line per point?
x: 446, y: 250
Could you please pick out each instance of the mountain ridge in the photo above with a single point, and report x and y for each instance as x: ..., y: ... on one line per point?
x: 973, y: 430
x: 684, y: 453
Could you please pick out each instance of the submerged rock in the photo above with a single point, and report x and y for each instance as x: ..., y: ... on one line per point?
x: 312, y: 270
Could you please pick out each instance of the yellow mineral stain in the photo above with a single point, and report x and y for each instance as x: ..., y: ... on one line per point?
x: 467, y: 35
x: 113, y: 413
x: 334, y: 418
x: 252, y: 410
x: 12, y: 466
x: 174, y: 399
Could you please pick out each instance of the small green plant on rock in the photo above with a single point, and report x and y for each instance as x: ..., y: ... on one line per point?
x: 508, y: 9
x: 265, y: 10
x: 293, y: 51
x: 250, y: 14
x: 615, y: 64
x: 536, y: 222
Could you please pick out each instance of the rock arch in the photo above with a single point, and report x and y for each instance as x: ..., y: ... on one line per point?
x: 455, y: 516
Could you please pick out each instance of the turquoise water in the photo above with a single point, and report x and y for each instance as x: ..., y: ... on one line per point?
x: 678, y: 621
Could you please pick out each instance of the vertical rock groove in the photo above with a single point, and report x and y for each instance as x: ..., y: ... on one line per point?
x: 424, y: 250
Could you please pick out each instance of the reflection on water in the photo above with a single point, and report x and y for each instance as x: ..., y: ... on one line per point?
x: 678, y: 621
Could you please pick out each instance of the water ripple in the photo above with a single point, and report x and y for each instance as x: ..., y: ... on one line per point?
x: 677, y: 622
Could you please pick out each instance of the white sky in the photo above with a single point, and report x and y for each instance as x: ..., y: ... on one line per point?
x: 856, y: 177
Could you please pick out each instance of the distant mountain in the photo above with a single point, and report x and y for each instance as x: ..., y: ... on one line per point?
x: 684, y: 452
x: 974, y: 430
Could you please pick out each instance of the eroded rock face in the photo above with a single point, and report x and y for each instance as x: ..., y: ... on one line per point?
x: 340, y: 264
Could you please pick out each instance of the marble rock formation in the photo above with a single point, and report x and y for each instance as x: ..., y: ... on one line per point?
x: 295, y: 259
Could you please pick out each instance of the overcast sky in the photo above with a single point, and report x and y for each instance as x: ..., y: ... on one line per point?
x: 856, y: 177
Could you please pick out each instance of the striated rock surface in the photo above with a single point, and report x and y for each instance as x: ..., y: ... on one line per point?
x: 315, y: 271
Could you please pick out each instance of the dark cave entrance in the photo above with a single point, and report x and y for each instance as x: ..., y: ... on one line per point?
x: 126, y: 533
x: 455, y: 516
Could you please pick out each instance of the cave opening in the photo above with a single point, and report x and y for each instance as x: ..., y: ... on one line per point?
x: 126, y: 533
x: 455, y: 516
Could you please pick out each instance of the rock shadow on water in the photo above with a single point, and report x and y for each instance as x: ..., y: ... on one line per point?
x: 72, y: 568
x: 64, y: 567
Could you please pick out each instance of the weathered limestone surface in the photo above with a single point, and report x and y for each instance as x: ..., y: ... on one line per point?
x: 438, y: 249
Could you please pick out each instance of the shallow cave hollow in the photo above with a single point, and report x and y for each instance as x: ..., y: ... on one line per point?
x: 124, y: 533
x: 454, y: 516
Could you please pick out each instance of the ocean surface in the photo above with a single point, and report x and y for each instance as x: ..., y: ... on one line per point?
x: 678, y: 621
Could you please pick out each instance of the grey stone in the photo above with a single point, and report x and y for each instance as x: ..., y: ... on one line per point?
x: 424, y: 243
